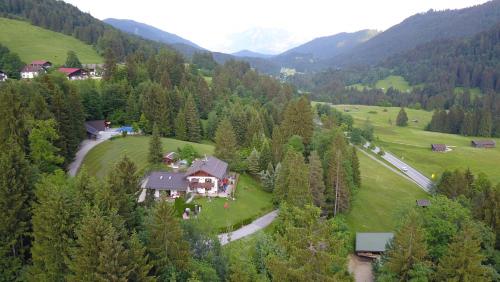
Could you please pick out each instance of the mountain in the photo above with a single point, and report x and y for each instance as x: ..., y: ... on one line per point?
x: 251, y: 54
x: 150, y: 32
x: 330, y: 46
x: 420, y: 29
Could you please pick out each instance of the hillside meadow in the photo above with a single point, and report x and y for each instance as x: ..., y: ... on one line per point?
x: 35, y: 43
x: 412, y: 143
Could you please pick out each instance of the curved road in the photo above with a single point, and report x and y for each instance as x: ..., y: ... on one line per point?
x: 258, y: 224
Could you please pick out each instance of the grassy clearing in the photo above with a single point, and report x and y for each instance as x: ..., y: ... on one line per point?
x: 35, y: 43
x: 474, y: 91
x: 101, y: 158
x: 394, y: 81
x: 382, y: 194
x: 251, y: 201
x: 412, y: 143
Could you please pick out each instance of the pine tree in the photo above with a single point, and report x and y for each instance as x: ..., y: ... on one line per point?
x: 266, y: 155
x: 72, y: 60
x: 407, y: 250
x: 43, y: 153
x: 485, y: 124
x: 338, y: 192
x: 15, y: 196
x: 356, y: 174
x: 180, y: 126
x: 298, y: 120
x: 155, y: 107
x: 292, y: 186
x: 225, y: 142
x: 109, y: 64
x: 253, y: 162
x: 166, y: 242
x: 402, y: 119
x: 86, y: 187
x: 316, y: 183
x: 463, y: 259
x: 277, y: 143
x: 139, y: 261
x: 192, y: 120
x: 55, y: 217
x: 267, y: 178
x: 155, y: 147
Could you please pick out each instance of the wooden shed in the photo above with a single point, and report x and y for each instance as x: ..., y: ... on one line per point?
x: 372, y: 245
x: 438, y: 147
x: 483, y: 143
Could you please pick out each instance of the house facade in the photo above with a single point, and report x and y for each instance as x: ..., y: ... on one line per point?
x: 35, y: 68
x: 94, y: 70
x: 207, y: 175
x: 94, y: 126
x: 74, y: 73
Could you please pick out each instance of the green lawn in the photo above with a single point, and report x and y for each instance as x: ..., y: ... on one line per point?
x: 381, y: 195
x: 35, y: 43
x: 412, y: 143
x: 394, y: 81
x: 251, y: 202
x: 101, y: 158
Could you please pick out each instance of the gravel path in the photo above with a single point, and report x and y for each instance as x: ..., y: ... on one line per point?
x: 258, y: 224
x: 360, y: 268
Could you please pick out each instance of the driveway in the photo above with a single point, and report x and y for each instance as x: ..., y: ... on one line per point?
x: 86, y: 146
x: 258, y: 224
x: 360, y: 268
x: 420, y: 179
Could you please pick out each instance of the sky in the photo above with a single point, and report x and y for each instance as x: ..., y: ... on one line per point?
x: 266, y: 26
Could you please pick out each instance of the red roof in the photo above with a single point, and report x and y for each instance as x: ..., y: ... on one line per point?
x: 69, y: 71
x: 39, y: 62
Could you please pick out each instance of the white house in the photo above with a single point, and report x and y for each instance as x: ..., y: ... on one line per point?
x: 206, y: 175
x: 3, y: 76
x: 34, y: 69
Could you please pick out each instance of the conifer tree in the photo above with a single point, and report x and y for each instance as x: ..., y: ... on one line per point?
x: 402, y: 118
x: 15, y: 196
x: 43, y: 153
x: 292, y: 186
x: 86, y: 187
x: 463, y: 259
x: 180, y: 126
x: 277, y: 143
x: 356, y: 174
x: 192, y: 120
x: 155, y: 147
x: 316, y: 183
x: 485, y: 124
x: 55, y: 217
x: 267, y: 178
x: 225, y: 142
x: 338, y: 192
x: 72, y: 60
x: 253, y: 162
x: 298, y: 120
x: 166, y: 242
x: 407, y: 250
x: 139, y: 260
x: 266, y: 155
x: 109, y: 64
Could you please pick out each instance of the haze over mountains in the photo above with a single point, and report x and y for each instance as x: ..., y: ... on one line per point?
x: 365, y: 47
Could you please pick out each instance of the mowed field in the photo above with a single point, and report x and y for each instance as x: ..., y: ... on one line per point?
x: 394, y: 81
x: 102, y: 158
x: 35, y: 43
x: 412, y: 143
x: 382, y: 194
x: 251, y: 202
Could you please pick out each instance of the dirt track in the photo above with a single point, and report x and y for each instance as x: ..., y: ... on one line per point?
x: 360, y: 268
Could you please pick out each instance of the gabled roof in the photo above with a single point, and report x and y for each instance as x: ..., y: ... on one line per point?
x: 484, y: 142
x: 438, y: 147
x: 211, y: 165
x: 32, y: 68
x: 160, y: 180
x: 372, y: 242
x: 170, y: 155
x: 96, y: 125
x: 69, y: 71
x: 40, y: 62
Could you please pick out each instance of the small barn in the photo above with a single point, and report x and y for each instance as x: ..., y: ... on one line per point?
x: 74, y: 73
x: 170, y: 158
x: 372, y: 245
x: 483, y: 143
x: 438, y: 147
x: 423, y: 203
x: 93, y: 127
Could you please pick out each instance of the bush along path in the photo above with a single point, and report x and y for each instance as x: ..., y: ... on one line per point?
x: 247, y: 230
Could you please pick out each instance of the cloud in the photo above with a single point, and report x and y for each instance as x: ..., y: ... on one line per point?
x: 262, y: 40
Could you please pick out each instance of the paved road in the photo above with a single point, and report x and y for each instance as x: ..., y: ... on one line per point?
x: 85, y: 147
x: 247, y: 230
x: 421, y: 180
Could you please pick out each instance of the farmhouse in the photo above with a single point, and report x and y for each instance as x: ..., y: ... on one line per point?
x: 74, y: 73
x: 371, y: 245
x: 483, y: 143
x: 35, y: 68
x: 94, y: 70
x: 169, y: 158
x: 93, y: 127
x: 438, y: 147
x: 3, y: 76
x: 206, y: 175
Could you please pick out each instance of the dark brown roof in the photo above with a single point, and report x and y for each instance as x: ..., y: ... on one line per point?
x: 438, y: 147
x: 98, y: 125
x: 423, y: 203
x: 32, y: 68
x: 484, y: 142
x: 211, y: 165
x: 160, y: 180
